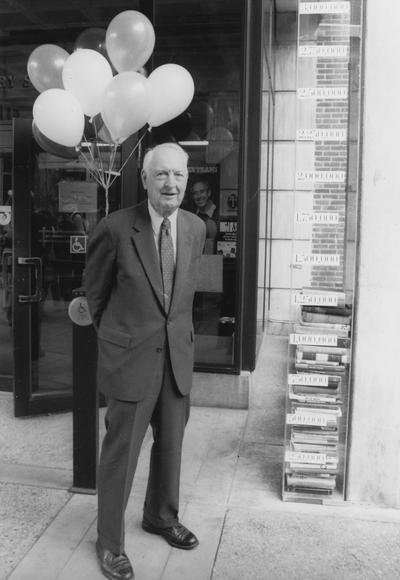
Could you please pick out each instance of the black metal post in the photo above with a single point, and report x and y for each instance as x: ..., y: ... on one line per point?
x: 85, y: 409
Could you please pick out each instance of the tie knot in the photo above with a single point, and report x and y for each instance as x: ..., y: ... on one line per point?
x: 166, y: 225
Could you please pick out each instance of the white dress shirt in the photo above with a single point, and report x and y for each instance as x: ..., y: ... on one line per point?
x: 156, y: 221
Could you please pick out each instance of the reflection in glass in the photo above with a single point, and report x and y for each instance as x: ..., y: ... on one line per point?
x: 205, y: 38
x: 6, y: 349
x: 65, y: 206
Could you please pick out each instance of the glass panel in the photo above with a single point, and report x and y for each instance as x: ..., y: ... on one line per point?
x: 6, y: 350
x: 205, y: 38
x: 65, y: 207
x: 323, y: 249
x: 267, y: 169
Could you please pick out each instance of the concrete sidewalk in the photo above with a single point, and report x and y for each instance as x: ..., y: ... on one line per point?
x: 230, y: 497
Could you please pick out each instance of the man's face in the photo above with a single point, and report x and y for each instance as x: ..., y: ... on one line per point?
x: 165, y: 180
x: 200, y: 194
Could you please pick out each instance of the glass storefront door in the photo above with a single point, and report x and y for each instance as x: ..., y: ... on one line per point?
x: 55, y: 208
x: 207, y: 39
x: 220, y: 130
x: 6, y: 350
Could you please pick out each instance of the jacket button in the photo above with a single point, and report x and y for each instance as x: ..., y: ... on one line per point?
x: 159, y: 349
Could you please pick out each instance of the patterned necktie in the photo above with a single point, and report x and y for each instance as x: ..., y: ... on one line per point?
x: 167, y: 261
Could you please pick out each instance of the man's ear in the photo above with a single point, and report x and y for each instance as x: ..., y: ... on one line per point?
x: 144, y: 178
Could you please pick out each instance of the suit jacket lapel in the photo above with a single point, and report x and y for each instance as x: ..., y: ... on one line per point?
x: 184, y: 237
x: 143, y: 240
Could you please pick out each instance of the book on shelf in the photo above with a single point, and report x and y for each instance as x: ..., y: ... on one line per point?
x: 319, y: 367
x: 322, y: 380
x: 323, y: 483
x: 342, y: 330
x: 313, y: 470
x: 323, y: 349
x: 306, y: 443
x: 314, y: 448
x: 306, y: 468
x: 317, y: 461
x: 317, y: 409
x: 302, y: 335
x: 330, y: 355
x: 315, y: 397
x: 342, y: 313
x: 319, y: 421
x: 310, y: 389
x: 313, y: 437
x: 309, y: 358
x: 324, y: 296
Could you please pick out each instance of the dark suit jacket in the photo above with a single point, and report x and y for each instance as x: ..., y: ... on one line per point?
x: 124, y: 291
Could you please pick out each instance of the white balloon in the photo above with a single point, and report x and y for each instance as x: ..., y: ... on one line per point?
x: 86, y: 74
x: 125, y: 107
x: 171, y: 90
x: 220, y: 144
x: 59, y: 116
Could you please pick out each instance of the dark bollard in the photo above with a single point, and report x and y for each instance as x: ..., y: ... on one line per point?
x: 85, y: 398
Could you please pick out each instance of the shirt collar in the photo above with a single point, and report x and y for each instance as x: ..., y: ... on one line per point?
x: 208, y: 210
x: 157, y: 219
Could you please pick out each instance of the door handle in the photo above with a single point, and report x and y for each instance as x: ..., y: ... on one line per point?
x: 38, y: 294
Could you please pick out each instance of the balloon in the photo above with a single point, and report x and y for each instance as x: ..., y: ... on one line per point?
x: 45, y: 65
x: 126, y: 106
x: 130, y: 40
x: 202, y: 116
x: 220, y: 144
x: 86, y: 74
x: 93, y: 38
x: 59, y: 116
x: 171, y: 90
x: 51, y: 147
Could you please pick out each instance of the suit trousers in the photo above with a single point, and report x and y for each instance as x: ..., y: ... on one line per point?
x: 167, y: 411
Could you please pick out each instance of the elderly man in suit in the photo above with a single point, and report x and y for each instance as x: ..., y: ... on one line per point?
x: 141, y: 271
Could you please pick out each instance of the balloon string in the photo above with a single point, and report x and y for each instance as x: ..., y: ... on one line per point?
x: 131, y: 153
x: 113, y: 156
x: 89, y: 148
x: 96, y: 145
x: 91, y: 170
x: 90, y: 165
x: 116, y: 174
x: 96, y: 168
x: 107, y: 201
x: 107, y: 186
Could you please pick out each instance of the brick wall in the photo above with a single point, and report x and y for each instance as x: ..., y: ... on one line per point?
x: 331, y: 155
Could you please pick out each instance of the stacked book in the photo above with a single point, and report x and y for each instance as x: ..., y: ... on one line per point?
x: 322, y: 333
x: 315, y: 388
x: 321, y: 354
x: 311, y: 458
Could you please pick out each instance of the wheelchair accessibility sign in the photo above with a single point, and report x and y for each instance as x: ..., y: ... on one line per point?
x: 5, y: 215
x: 78, y: 311
x: 77, y: 244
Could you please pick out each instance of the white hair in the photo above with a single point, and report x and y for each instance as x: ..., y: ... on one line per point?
x: 170, y: 145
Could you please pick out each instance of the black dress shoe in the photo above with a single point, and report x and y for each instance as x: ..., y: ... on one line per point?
x: 114, y: 566
x: 177, y: 536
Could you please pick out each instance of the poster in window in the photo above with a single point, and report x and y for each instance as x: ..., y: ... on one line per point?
x: 227, y: 238
x: 228, y: 204
x: 202, y: 198
x: 77, y: 196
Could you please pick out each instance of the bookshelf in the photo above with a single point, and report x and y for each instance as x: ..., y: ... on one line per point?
x: 323, y: 268
x: 317, y: 397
